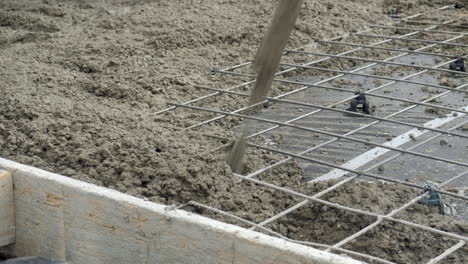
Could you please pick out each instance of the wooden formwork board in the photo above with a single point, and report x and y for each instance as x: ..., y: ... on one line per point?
x: 66, y: 219
x: 7, y: 209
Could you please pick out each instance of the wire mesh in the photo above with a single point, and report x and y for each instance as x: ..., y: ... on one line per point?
x: 399, y: 151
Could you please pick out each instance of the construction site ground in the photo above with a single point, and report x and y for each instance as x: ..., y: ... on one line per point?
x: 81, y: 82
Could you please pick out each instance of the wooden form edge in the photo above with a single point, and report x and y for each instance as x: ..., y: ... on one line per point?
x: 236, y: 233
x: 7, y: 209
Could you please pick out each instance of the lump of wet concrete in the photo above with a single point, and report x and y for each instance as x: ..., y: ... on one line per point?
x: 437, y: 111
x: 446, y: 82
x: 425, y: 89
x: 443, y: 142
x: 278, y: 138
x: 381, y: 168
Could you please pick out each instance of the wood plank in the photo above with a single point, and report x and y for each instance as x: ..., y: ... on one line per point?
x: 7, y: 209
x: 64, y: 219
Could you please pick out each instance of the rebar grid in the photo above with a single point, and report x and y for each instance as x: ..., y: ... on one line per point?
x: 349, y: 133
x: 328, y: 134
x: 335, y: 186
x: 413, y: 29
x: 331, y: 105
x: 372, y: 60
x: 395, y: 211
x: 356, y: 113
x: 431, y: 23
x: 385, y: 48
x: 287, y: 124
x: 380, y: 218
x: 249, y: 82
x: 349, y: 90
x: 310, y: 63
x: 414, y: 40
x: 373, y: 76
x: 327, y: 80
x: 349, y: 73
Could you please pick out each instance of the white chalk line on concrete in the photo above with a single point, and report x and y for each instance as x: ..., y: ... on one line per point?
x: 374, y: 153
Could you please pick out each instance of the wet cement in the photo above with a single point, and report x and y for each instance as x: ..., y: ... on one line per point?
x: 81, y: 81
